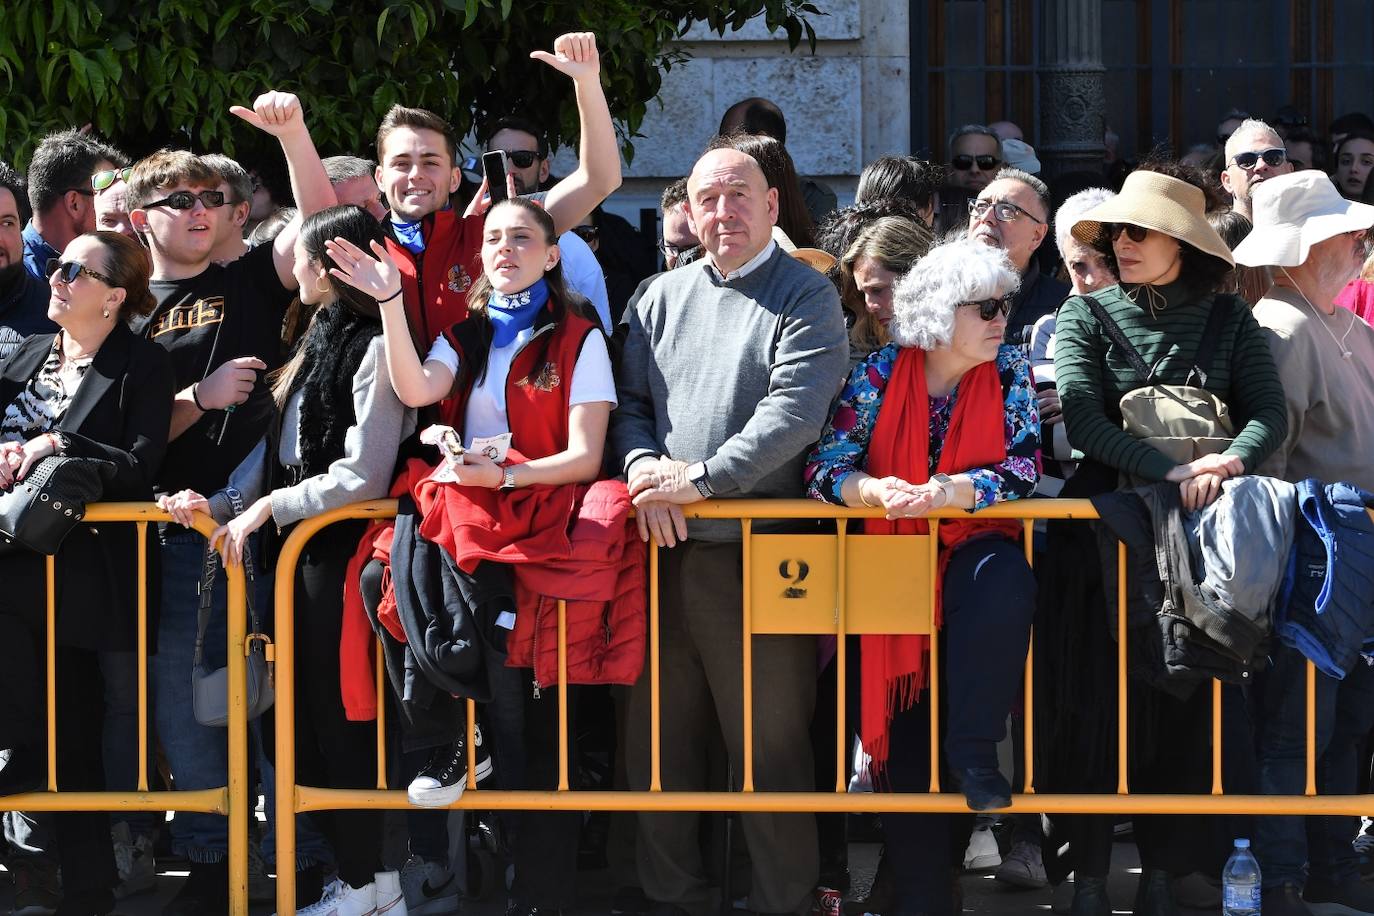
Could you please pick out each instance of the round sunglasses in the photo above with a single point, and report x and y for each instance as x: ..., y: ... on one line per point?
x: 68, y: 271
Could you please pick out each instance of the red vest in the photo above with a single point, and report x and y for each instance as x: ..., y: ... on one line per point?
x: 435, y: 282
x: 538, y: 387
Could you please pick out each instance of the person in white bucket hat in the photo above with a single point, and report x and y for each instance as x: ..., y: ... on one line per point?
x: 1315, y: 242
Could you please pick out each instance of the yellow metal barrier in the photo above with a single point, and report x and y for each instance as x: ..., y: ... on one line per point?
x: 799, y: 584
x: 231, y: 800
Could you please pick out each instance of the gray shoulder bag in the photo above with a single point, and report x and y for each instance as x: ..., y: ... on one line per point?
x: 210, y: 687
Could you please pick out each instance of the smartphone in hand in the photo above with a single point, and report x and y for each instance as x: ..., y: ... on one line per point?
x: 494, y: 166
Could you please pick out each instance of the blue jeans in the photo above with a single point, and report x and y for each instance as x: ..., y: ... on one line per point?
x: 197, y: 755
x: 1345, y: 713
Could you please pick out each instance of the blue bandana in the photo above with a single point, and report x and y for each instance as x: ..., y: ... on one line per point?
x: 515, y: 313
x: 409, y: 235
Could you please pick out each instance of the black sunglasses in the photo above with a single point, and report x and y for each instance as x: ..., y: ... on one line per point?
x: 963, y: 163
x: 522, y: 158
x: 185, y: 200
x: 989, y: 309
x: 68, y: 271
x: 1273, y: 157
x: 1134, y: 233
x: 1004, y: 210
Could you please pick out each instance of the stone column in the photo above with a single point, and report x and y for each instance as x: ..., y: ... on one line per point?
x: 1072, y: 86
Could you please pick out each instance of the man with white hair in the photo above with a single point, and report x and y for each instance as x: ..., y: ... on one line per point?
x: 1254, y: 154
x: 1315, y: 242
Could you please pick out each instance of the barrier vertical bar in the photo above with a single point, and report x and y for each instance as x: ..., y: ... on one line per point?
x: 380, y: 675
x: 238, y: 744
x: 562, y: 695
x: 1122, y: 741
x: 1311, y: 788
x: 142, y: 651
x: 1028, y: 717
x: 471, y: 707
x: 655, y: 724
x: 841, y: 625
x: 746, y: 529
x: 934, y: 671
x: 284, y: 711
x: 1216, y: 737
x: 51, y: 573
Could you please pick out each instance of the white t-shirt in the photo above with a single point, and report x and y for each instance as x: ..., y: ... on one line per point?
x: 592, y: 381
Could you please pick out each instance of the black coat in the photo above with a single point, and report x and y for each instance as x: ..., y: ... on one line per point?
x: 122, y: 412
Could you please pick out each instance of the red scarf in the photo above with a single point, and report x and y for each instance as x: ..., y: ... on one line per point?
x: 894, y: 667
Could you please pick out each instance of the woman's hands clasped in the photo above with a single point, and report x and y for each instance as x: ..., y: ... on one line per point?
x: 899, y: 498
x: 1199, y: 482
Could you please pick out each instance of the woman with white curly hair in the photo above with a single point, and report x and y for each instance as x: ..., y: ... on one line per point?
x: 944, y: 416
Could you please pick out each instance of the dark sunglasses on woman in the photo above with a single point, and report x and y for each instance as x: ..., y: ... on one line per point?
x: 185, y: 200
x: 68, y: 271
x: 964, y: 162
x: 1134, y: 233
x: 989, y: 309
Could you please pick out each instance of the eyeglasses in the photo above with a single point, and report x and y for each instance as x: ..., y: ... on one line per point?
x: 988, y: 309
x: 106, y: 177
x: 185, y: 200
x: 1273, y: 157
x: 68, y: 271
x: 521, y: 158
x: 1004, y: 210
x: 964, y: 162
x: 1134, y: 233
x: 679, y: 251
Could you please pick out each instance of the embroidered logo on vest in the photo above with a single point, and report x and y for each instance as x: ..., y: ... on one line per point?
x: 547, y: 380
x: 458, y: 279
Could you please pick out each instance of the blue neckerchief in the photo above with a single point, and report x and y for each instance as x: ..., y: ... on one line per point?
x: 409, y: 235
x: 515, y: 313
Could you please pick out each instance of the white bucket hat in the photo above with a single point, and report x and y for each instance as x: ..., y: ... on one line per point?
x: 1294, y: 212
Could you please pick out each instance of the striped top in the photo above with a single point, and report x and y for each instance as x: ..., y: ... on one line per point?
x: 44, y: 400
x: 1093, y: 374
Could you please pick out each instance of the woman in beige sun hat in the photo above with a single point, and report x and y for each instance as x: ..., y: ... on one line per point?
x: 1171, y: 265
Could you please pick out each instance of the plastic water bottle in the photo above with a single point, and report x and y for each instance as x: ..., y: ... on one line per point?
x: 1240, y: 882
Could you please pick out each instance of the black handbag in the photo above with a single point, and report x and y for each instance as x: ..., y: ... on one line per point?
x: 38, y: 512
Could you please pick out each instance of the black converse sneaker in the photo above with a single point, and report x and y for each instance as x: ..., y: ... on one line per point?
x: 442, y: 780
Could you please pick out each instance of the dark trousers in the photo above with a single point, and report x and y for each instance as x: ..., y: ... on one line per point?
x: 331, y: 751
x: 85, y: 853
x: 700, y: 655
x: 1345, y: 712
x: 988, y: 604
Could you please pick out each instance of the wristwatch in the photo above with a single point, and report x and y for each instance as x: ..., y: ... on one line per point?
x: 696, y: 473
x: 946, y: 484
x: 508, y: 479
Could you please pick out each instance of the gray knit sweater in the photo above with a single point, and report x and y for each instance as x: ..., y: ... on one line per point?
x: 739, y: 374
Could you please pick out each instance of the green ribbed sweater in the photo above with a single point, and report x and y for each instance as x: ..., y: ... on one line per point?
x: 1092, y: 375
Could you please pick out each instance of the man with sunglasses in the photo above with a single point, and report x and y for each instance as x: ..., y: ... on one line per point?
x: 1254, y: 153
x: 221, y: 325
x: 1013, y: 213
x: 61, y: 195
x: 975, y: 154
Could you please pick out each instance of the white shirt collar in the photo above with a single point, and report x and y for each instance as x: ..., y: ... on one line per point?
x: 747, y: 267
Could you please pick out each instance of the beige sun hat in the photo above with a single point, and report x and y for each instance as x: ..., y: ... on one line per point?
x: 1159, y: 202
x: 814, y: 258
x: 1293, y: 212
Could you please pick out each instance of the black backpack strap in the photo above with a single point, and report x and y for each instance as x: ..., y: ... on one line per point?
x: 1211, y: 333
x: 1115, y: 333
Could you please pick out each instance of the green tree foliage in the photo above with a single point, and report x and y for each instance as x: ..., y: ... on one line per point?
x: 150, y: 72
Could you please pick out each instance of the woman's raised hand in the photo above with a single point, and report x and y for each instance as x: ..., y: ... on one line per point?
x: 375, y: 274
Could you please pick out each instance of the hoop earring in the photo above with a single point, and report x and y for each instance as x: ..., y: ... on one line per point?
x: 322, y: 285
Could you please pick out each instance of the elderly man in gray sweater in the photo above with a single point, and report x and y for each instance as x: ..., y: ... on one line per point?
x: 728, y: 371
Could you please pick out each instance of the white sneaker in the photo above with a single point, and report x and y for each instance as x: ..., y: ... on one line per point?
x: 430, y: 888
x: 390, y: 900
x: 341, y: 899
x: 982, y: 853
x: 133, y: 857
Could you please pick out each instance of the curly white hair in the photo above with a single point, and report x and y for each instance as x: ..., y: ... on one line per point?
x: 956, y: 271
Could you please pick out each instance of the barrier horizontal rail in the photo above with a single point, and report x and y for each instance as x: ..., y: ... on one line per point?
x: 293, y: 799
x: 230, y: 800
